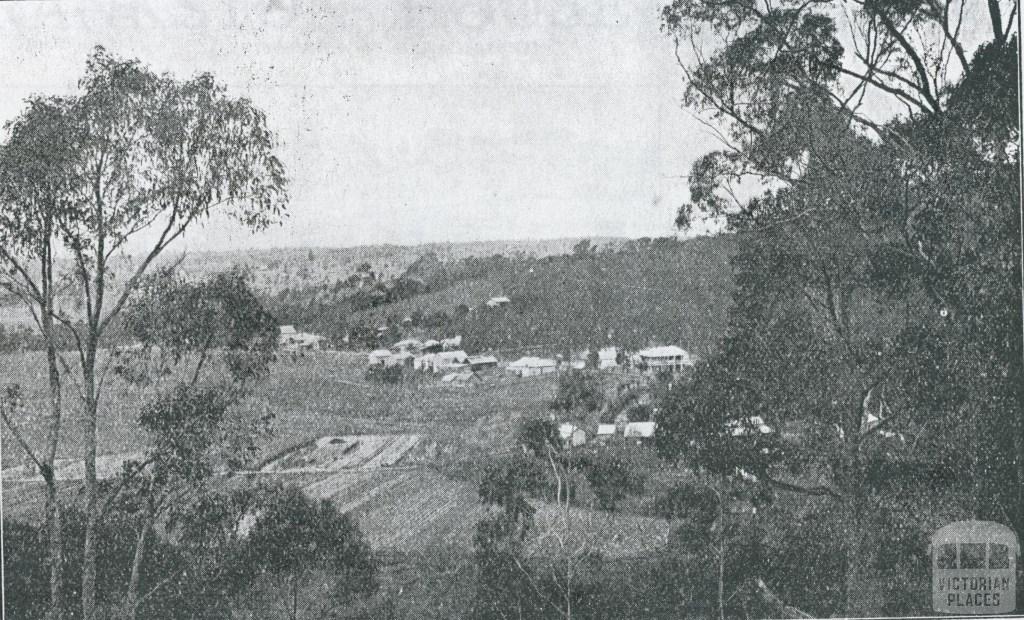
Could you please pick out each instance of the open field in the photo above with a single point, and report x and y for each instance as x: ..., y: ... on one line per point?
x: 311, y: 396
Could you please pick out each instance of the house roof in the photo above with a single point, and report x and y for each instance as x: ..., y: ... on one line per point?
x: 459, y: 377
x: 499, y: 300
x: 663, y: 351
x: 532, y: 362
x: 451, y: 356
x: 483, y: 359
x: 640, y: 429
x: 567, y: 429
x: 605, y: 429
x: 287, y: 330
x: 607, y: 353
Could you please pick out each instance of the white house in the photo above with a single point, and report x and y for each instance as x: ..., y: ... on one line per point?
x: 531, y: 367
x: 291, y: 340
x: 483, y: 362
x: 607, y: 358
x: 447, y: 361
x: 498, y: 302
x: 640, y: 430
x: 668, y: 357
x: 380, y: 356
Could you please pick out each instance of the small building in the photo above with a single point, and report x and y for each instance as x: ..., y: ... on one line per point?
x: 607, y: 358
x: 448, y: 361
x: 532, y: 367
x: 498, y: 302
x: 572, y: 435
x: 483, y: 362
x: 378, y: 357
x: 668, y: 357
x: 289, y: 339
x: 640, y: 430
x: 605, y: 432
x: 740, y: 428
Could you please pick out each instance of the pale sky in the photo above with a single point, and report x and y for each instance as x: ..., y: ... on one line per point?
x: 411, y: 121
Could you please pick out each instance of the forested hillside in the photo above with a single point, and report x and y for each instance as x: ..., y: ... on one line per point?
x: 628, y: 294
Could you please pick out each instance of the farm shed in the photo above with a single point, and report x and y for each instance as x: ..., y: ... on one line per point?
x: 668, y: 357
x: 531, y: 367
x: 572, y: 435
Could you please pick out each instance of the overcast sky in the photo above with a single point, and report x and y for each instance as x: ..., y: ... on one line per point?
x: 412, y: 121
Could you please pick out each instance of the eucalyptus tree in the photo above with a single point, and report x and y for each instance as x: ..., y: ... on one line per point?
x: 33, y: 196
x: 151, y: 156
x: 868, y: 306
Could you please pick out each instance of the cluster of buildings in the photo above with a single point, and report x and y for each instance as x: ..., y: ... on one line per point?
x: 574, y: 435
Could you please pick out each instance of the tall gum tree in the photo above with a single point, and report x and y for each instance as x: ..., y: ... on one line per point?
x: 151, y: 157
x: 868, y: 228
x: 33, y: 196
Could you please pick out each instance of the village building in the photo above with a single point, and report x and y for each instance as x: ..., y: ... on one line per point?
x: 668, y: 357
x: 643, y: 432
x: 289, y: 339
x: 446, y: 361
x: 571, y: 435
x: 498, y: 302
x: 607, y: 358
x: 605, y: 432
x: 483, y: 362
x: 379, y: 357
x: 531, y: 367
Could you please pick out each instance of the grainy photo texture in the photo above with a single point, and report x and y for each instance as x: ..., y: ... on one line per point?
x: 571, y: 310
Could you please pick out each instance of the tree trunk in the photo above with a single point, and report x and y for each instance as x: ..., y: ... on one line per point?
x: 91, y: 484
x: 131, y: 603
x: 55, y: 538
